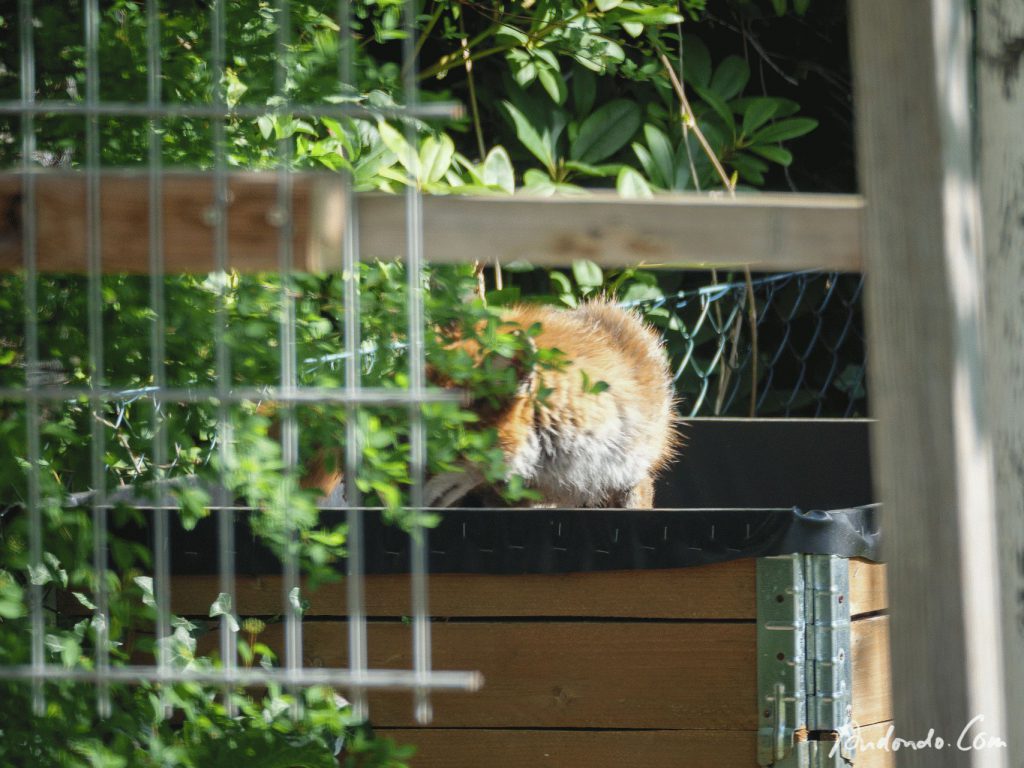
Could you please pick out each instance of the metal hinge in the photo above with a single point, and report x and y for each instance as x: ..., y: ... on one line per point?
x: 781, y: 675
x: 804, y: 675
x: 829, y: 666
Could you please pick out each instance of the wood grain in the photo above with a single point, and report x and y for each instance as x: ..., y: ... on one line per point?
x: 772, y: 232
x: 872, y: 671
x: 1001, y: 156
x: 450, y: 748
x: 496, y: 748
x: 602, y: 674
x: 931, y: 444
x: 720, y: 591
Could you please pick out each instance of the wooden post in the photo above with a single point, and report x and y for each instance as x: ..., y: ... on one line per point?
x: 932, y: 445
x: 1000, y: 72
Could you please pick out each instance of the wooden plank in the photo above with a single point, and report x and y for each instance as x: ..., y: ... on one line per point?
x: 496, y: 748
x: 453, y: 748
x: 62, y: 225
x: 772, y: 232
x: 1001, y: 155
x: 872, y: 671
x: 932, y: 447
x: 565, y: 674
x: 720, y: 591
x: 555, y: 674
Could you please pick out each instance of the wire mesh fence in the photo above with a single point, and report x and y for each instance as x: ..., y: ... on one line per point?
x: 78, y: 394
x: 789, y: 345
x: 162, y: 379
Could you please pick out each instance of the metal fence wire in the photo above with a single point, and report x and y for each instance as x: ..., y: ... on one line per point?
x: 799, y: 353
x: 43, y: 389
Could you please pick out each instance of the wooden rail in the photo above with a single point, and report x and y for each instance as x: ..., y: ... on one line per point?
x: 766, y: 232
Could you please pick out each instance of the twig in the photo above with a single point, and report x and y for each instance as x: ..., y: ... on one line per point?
x: 470, y: 81
x: 691, y: 121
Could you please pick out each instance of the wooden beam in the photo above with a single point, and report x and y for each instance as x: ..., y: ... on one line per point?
x: 931, y: 441
x: 718, y: 591
x: 768, y: 232
x: 1000, y: 46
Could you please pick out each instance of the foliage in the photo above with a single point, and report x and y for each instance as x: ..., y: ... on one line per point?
x: 560, y: 97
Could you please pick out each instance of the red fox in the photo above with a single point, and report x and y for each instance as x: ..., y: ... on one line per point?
x: 574, y: 444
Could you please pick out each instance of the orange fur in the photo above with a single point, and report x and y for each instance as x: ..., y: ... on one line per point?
x: 580, y: 448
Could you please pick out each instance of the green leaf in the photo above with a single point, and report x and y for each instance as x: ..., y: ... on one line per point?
x: 785, y: 130
x: 563, y: 286
x: 553, y: 82
x: 779, y: 6
x: 606, y: 5
x: 266, y: 125
x: 661, y: 153
x: 222, y: 607
x: 633, y: 28
x: 528, y: 135
x: 801, y: 6
x: 758, y: 111
x: 145, y: 583
x: 696, y: 62
x: 436, y: 157
x: 606, y: 131
x: 722, y: 109
x: 730, y: 77
x: 498, y: 170
x: 750, y: 168
x: 631, y: 184
x: 587, y: 274
x: 584, y: 88
x: 396, y: 142
x: 647, y: 163
x: 774, y: 153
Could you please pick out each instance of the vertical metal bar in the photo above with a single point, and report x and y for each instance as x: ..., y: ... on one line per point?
x: 355, y: 586
x: 781, y: 656
x: 28, y: 94
x: 417, y: 435
x: 161, y: 534
x: 95, y: 329
x: 289, y: 428
x: 225, y: 513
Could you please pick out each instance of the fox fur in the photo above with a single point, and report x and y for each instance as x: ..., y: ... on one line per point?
x: 580, y: 448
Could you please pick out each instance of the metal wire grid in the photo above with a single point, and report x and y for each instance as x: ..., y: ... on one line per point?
x: 806, y: 357
x: 357, y: 678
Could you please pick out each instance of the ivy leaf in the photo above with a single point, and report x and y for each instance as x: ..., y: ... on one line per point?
x: 145, y: 583
x: 606, y: 131
x: 222, y: 607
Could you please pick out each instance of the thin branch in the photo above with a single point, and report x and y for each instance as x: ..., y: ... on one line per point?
x: 690, y: 119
